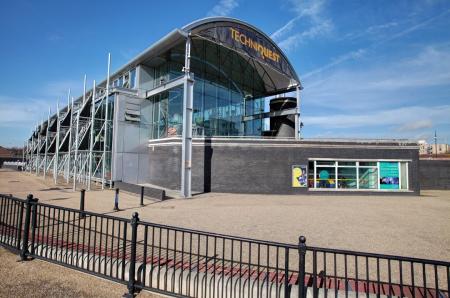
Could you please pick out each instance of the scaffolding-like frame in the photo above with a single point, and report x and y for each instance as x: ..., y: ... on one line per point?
x: 72, y: 143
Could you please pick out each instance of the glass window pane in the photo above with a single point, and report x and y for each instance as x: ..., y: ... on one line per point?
x: 404, y: 175
x: 389, y: 175
x: 326, y: 177
x: 346, y: 163
x: 368, y: 178
x: 175, y: 113
x: 133, y: 78
x: 347, y: 178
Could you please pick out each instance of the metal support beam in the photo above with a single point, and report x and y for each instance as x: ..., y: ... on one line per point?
x: 186, y: 145
x: 91, y: 141
x: 55, y: 163
x: 70, y: 142
x: 105, y: 139
x: 166, y: 86
x: 75, y: 161
x: 46, y: 143
x: 38, y: 153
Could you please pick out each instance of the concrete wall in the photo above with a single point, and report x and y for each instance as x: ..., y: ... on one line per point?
x: 262, y: 166
x: 434, y: 174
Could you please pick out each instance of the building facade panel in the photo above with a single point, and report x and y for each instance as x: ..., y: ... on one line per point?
x: 266, y: 167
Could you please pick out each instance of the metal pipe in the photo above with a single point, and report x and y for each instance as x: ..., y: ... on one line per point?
x: 105, y: 133
x: 91, y: 141
x: 46, y: 143
x: 76, y: 136
x: 55, y: 163
x: 70, y: 144
x: 38, y: 153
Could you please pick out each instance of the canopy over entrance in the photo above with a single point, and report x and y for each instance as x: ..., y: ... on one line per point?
x: 251, y: 43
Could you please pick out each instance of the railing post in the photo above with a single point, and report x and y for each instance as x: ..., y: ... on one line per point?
x: 33, y: 224
x: 142, y: 196
x: 301, y: 266
x: 26, y: 229
x: 116, y: 200
x: 132, y: 269
x: 82, y: 193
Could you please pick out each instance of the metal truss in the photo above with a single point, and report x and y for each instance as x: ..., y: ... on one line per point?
x: 75, y: 143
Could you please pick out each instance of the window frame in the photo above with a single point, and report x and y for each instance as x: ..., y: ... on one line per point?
x: 357, y: 166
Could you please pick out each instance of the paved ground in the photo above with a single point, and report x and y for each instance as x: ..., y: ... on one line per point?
x: 411, y: 226
x: 43, y: 279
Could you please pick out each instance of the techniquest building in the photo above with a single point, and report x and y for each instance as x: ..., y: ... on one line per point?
x: 211, y: 107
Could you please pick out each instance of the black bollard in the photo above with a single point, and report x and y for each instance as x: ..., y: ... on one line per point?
x: 116, y: 200
x: 82, y: 192
x: 142, y: 196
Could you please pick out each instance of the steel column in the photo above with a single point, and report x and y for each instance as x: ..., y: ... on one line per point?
x: 105, y: 133
x: 186, y: 145
x: 70, y: 136
x: 55, y: 162
x: 46, y: 143
x: 91, y: 141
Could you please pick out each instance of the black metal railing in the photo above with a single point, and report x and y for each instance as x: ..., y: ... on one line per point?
x: 189, y: 263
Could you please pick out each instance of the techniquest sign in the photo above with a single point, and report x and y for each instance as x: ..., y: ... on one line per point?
x: 248, y: 42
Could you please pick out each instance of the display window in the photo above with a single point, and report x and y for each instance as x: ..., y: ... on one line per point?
x: 358, y: 175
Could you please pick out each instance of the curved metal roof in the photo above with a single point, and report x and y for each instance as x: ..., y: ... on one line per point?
x: 210, y: 20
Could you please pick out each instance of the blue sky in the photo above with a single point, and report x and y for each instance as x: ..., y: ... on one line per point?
x: 370, y: 69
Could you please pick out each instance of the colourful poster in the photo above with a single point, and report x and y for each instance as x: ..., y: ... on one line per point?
x: 299, y: 176
x: 389, y: 175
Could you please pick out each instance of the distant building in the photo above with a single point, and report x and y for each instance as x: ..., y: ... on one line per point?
x: 423, y: 147
x: 439, y: 149
x: 5, y: 153
x: 430, y: 149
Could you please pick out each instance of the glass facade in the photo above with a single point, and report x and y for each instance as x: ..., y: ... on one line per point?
x: 227, y: 88
x: 99, y: 139
x: 126, y: 80
x: 358, y: 175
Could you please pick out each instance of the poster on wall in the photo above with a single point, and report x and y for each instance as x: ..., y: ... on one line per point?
x: 299, y: 176
x: 389, y: 175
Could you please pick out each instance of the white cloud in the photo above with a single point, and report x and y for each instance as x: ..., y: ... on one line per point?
x: 377, y: 31
x: 312, y: 12
x: 292, y: 41
x: 416, y: 125
x: 23, y: 112
x: 382, y: 98
x: 402, y: 119
x: 284, y: 29
x: 28, y: 111
x: 357, y: 53
x: 382, y: 82
x: 223, y: 8
x: 348, y: 56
